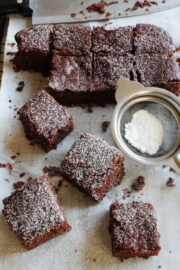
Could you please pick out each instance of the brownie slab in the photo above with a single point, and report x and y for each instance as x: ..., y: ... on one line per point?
x: 33, y: 212
x: 117, y: 41
x: 93, y: 166
x: 45, y: 121
x: 34, y: 49
x: 155, y: 70
x: 133, y: 228
x: 153, y: 40
x: 107, y: 70
x: 72, y: 39
x: 70, y: 78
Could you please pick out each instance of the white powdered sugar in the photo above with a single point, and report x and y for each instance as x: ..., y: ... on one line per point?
x: 145, y: 132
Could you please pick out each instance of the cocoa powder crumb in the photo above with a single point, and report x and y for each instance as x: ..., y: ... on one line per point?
x: 105, y: 125
x: 20, y: 86
x: 170, y: 182
x: 51, y: 171
x: 139, y: 183
x: 22, y: 174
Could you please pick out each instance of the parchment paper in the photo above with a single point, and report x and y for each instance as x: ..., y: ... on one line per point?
x: 88, y: 245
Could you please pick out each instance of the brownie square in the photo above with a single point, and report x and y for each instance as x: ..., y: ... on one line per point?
x: 34, y: 48
x: 152, y: 39
x: 155, y: 70
x: 33, y: 212
x: 70, y: 78
x: 116, y: 41
x: 107, y: 70
x: 93, y: 166
x: 45, y: 121
x: 133, y: 228
x: 72, y: 39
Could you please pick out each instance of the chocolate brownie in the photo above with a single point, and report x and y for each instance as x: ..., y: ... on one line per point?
x: 93, y: 166
x: 34, y: 48
x: 33, y: 212
x: 155, y: 70
x: 133, y: 228
x: 45, y: 121
x: 117, y: 41
x: 152, y: 39
x: 70, y: 78
x: 172, y: 86
x: 107, y: 70
x: 72, y: 39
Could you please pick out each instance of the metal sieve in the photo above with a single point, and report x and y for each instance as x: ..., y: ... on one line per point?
x: 132, y: 96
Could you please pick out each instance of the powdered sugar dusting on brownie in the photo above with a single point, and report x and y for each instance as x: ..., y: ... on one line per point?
x: 152, y: 39
x: 44, y: 113
x: 33, y: 210
x: 108, y: 69
x: 134, y: 225
x: 156, y: 69
x: 89, y: 161
x: 70, y: 72
x: 70, y: 39
x: 35, y: 38
x: 116, y: 41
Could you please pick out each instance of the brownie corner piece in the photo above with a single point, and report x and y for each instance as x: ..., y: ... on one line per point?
x: 72, y: 39
x: 156, y: 69
x: 45, y: 121
x: 70, y: 78
x: 34, y: 49
x: 133, y: 228
x: 115, y: 41
x: 152, y: 39
x: 93, y: 166
x: 33, y: 212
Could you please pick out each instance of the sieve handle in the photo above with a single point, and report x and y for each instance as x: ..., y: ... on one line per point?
x: 126, y: 88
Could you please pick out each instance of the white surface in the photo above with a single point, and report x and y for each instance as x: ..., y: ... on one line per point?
x: 56, y: 11
x: 89, y: 220
x: 146, y: 124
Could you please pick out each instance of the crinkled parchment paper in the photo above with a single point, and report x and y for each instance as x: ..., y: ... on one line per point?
x: 88, y: 244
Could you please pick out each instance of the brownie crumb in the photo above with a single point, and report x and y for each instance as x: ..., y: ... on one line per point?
x: 159, y: 266
x: 81, y: 12
x: 51, y: 171
x: 143, y: 4
x: 73, y: 15
x: 10, y: 53
x: 170, y: 182
x: 12, y: 45
x: 13, y: 157
x: 126, y: 193
x: 18, y: 185
x: 7, y: 180
x: 75, y: 251
x: 139, y: 183
x: 119, y: 14
x: 82, y: 3
x: 126, y: 1
x: 100, y: 7
x: 20, y: 86
x: 108, y: 14
x: 178, y: 49
x: 105, y: 125
x: 22, y: 174
x: 6, y: 165
x: 170, y: 168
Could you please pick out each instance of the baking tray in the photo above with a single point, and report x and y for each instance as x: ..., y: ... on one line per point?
x: 88, y: 244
